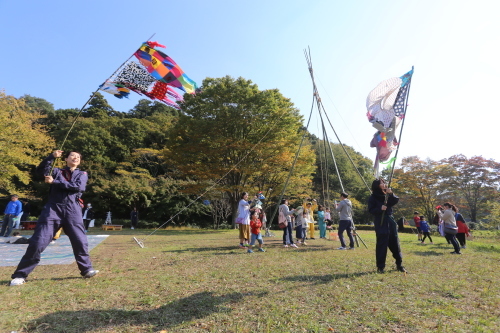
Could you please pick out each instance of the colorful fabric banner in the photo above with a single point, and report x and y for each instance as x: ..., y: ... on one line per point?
x: 135, y: 77
x: 116, y: 89
x: 164, y: 68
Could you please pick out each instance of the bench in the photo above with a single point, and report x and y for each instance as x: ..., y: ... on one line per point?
x: 111, y: 227
x: 28, y: 225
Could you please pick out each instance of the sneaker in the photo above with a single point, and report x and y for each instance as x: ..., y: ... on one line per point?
x: 250, y: 251
x: 241, y: 246
x: 90, y: 274
x: 304, y: 243
x: 17, y: 281
x: 456, y: 252
x: 286, y: 245
x: 341, y: 248
x: 132, y: 228
x: 293, y: 245
x: 380, y: 270
x: 464, y: 247
x: 313, y: 238
x: 401, y: 269
x: 52, y: 242
x: 351, y: 248
x: 262, y: 250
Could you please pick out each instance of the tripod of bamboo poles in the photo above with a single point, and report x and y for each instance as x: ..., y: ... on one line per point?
x: 322, y: 112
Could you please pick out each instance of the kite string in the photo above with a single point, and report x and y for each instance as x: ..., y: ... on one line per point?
x: 86, y: 103
x: 219, y: 180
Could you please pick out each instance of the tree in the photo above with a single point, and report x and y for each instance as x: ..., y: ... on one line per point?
x: 240, y: 137
x: 23, y: 143
x: 476, y: 180
x: 98, y: 107
x: 146, y: 108
x: 420, y: 184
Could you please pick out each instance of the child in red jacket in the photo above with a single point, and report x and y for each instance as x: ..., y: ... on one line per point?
x: 463, y: 230
x: 255, y: 225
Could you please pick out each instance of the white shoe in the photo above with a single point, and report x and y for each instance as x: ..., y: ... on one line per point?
x: 17, y: 281
x: 293, y: 245
x: 341, y: 248
x: 132, y: 228
x: 285, y: 245
x: 52, y: 242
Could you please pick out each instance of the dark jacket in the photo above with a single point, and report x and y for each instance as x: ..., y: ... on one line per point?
x: 375, y: 202
x: 64, y: 194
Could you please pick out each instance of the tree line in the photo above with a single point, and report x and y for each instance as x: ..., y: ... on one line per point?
x: 193, y: 164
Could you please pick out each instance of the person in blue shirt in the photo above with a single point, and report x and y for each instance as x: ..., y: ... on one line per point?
x: 63, y: 209
x: 13, y: 209
x: 424, y: 227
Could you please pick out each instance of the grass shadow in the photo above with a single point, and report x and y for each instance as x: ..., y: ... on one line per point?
x: 168, y: 316
x: 323, y: 279
x: 428, y: 253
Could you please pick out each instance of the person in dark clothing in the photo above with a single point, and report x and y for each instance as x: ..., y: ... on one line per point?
x: 26, y: 210
x: 62, y: 210
x: 385, y: 226
x: 88, y: 216
x: 134, y: 218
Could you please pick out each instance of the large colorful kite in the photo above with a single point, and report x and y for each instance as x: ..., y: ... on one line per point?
x: 155, y: 76
x: 386, y: 106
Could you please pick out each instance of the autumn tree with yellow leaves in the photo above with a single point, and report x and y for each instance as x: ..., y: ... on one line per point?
x: 23, y: 144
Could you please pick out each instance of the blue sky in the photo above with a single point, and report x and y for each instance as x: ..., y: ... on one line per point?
x: 61, y: 51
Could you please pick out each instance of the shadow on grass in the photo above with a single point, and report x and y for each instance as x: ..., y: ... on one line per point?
x: 428, y: 253
x: 323, y: 279
x: 168, y: 316
x: 208, y: 249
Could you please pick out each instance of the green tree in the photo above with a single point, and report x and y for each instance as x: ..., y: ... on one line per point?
x: 421, y: 184
x: 23, y: 143
x: 146, y: 108
x: 231, y: 123
x: 99, y: 107
x: 476, y: 180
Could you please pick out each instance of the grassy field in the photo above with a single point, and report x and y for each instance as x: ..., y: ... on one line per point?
x: 199, y: 281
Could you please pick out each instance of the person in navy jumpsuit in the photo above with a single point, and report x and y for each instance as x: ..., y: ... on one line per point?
x: 63, y: 209
x: 386, y: 230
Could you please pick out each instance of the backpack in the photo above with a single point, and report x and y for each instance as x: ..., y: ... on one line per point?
x: 282, y: 222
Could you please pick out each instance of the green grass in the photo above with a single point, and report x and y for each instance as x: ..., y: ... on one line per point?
x: 199, y: 281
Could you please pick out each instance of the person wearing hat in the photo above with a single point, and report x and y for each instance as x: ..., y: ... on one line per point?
x: 13, y: 209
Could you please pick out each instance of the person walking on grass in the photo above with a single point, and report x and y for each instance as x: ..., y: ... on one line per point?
x: 300, y: 225
x: 386, y: 229
x: 134, y: 218
x: 287, y: 231
x: 255, y: 225
x: 344, y: 207
x: 463, y: 229
x: 450, y: 225
x: 62, y: 210
x: 424, y: 227
x: 321, y: 222
x: 243, y: 220
x: 416, y: 220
